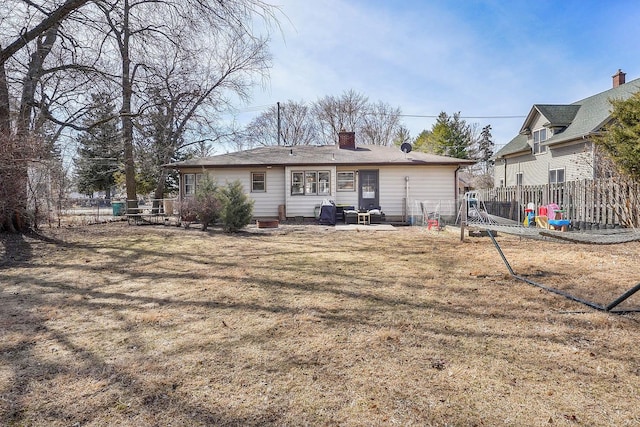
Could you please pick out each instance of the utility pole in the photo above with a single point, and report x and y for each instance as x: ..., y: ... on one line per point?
x: 278, y: 104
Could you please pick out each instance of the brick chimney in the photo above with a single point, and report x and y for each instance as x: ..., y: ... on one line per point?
x: 618, y: 78
x: 347, y: 140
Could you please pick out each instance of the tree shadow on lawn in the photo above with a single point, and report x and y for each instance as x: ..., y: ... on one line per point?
x: 23, y: 317
x: 16, y: 249
x: 24, y: 321
x: 142, y: 397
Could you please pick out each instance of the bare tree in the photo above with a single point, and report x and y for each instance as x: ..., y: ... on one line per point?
x: 402, y: 135
x: 141, y: 28
x: 120, y: 35
x: 190, y: 88
x: 381, y: 124
x: 335, y: 114
x: 297, y: 126
x: 16, y: 148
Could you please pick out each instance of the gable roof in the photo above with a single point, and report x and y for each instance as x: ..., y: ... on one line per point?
x: 319, y: 155
x: 558, y: 115
x: 581, y: 118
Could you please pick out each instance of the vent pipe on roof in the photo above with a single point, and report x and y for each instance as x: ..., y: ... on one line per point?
x: 618, y: 78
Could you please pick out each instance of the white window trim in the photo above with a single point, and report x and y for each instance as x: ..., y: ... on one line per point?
x: 564, y: 175
x: 352, y: 181
x: 186, y: 186
x: 317, y: 191
x: 264, y: 182
x: 538, y: 146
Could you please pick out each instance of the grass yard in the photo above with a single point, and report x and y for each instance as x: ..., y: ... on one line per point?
x: 304, y: 325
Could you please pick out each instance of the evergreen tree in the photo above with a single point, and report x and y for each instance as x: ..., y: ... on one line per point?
x: 485, y: 148
x: 424, y: 142
x: 237, y: 208
x: 621, y: 139
x: 449, y: 136
x: 208, y: 202
x: 99, y: 148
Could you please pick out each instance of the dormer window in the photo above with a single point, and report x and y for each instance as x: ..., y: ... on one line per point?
x: 539, y: 136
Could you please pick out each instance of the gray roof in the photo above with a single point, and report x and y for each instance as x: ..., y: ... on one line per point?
x: 558, y: 115
x: 312, y: 155
x: 581, y: 118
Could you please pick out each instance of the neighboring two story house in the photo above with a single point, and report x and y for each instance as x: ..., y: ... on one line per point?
x: 553, y: 145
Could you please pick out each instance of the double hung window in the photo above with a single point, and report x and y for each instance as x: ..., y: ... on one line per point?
x: 556, y: 176
x: 258, y: 182
x: 346, y: 181
x: 189, y: 184
x: 191, y: 181
x: 539, y: 136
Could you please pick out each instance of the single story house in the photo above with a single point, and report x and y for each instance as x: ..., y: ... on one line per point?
x: 553, y: 145
x: 293, y: 181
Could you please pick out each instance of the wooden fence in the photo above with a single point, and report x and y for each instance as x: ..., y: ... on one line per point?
x: 599, y: 203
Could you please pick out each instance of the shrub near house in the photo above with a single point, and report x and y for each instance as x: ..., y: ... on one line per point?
x: 237, y: 209
x: 212, y: 203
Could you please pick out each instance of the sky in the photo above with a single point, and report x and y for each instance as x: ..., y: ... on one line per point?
x: 489, y: 60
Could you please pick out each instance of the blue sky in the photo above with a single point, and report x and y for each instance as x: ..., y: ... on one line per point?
x: 482, y: 58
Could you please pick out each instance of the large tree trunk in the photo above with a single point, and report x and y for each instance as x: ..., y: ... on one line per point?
x: 158, y: 194
x: 13, y: 186
x: 5, y: 115
x: 7, y: 142
x: 20, y: 148
x: 13, y: 153
x: 125, y: 114
x: 17, y: 149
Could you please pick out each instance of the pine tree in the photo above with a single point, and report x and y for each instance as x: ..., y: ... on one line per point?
x: 99, y: 148
x: 208, y: 202
x: 450, y: 136
x: 237, y: 208
x: 621, y: 137
x: 485, y: 148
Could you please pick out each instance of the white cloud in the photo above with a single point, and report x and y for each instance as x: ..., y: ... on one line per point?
x: 487, y: 58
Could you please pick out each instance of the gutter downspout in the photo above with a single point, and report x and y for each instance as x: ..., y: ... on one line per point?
x: 456, y: 189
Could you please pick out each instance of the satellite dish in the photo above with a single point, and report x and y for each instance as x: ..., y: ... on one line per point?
x: 406, y: 147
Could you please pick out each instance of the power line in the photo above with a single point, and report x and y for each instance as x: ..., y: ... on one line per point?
x: 463, y: 117
x: 419, y: 116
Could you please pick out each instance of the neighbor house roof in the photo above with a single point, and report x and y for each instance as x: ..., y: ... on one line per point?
x: 300, y: 155
x: 581, y: 118
x: 558, y: 115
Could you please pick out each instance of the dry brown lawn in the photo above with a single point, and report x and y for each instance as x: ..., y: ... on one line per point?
x: 305, y: 325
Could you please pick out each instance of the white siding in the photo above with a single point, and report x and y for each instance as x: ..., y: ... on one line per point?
x: 432, y: 184
x: 424, y: 183
x: 266, y: 203
x: 499, y: 173
x: 575, y: 159
x: 349, y: 198
x: 538, y: 123
x: 302, y: 205
x: 532, y: 167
